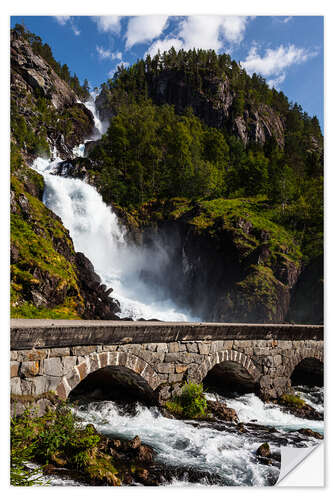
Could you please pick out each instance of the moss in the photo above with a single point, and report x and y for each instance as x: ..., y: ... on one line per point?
x: 39, y: 238
x: 291, y: 400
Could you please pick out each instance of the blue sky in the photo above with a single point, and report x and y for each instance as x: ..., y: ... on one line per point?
x: 287, y: 50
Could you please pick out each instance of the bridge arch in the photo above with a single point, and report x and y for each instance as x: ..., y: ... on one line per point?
x: 307, y: 367
x: 96, y: 362
x: 228, y: 366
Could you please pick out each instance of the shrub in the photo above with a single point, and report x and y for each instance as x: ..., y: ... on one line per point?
x: 191, y: 402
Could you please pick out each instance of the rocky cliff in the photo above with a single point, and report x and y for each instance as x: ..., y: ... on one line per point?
x: 214, y: 103
x: 226, y: 261
x: 48, y: 278
x: 45, y: 112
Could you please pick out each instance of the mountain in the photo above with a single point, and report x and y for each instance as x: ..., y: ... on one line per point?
x: 48, y: 278
x: 200, y: 159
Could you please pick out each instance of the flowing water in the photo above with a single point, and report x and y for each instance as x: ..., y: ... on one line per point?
x: 96, y: 232
x: 217, y: 449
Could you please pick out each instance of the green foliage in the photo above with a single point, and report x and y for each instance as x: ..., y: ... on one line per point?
x: 191, y: 403
x: 150, y: 151
x: 22, y: 451
x: 35, y: 234
x: 57, y: 437
x: 292, y: 400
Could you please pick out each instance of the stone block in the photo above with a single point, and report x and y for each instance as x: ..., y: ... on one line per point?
x: 181, y: 368
x: 166, y: 367
x: 14, y: 368
x: 13, y: 355
x: 192, y: 347
x: 32, y: 354
x: 52, y: 366
x: 29, y: 368
x: 55, y: 352
x: 15, y: 386
x: 40, y: 385
x: 110, y: 348
x: 83, y: 350
x: 175, y: 377
x: 204, y: 348
x: 277, y: 360
x: 173, y: 347
x: 68, y: 362
x: 171, y: 357
x: 73, y: 379
x: 83, y: 371
x: 163, y: 347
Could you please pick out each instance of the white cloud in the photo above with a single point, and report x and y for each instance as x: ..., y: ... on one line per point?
x: 164, y: 46
x: 275, y: 82
x: 108, y: 23
x: 233, y: 28
x: 68, y: 19
x: 275, y: 61
x: 204, y: 32
x: 75, y: 30
x: 142, y: 29
x: 287, y: 19
x: 62, y: 19
x: 107, y: 54
x: 103, y: 53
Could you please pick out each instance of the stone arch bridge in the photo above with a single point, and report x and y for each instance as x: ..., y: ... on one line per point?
x: 154, y: 359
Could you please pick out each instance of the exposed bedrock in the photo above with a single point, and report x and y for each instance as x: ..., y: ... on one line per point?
x: 210, y: 274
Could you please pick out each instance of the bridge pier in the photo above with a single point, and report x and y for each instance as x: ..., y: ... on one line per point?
x: 264, y: 362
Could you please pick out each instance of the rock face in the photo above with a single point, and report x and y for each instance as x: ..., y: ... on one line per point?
x: 45, y: 270
x: 46, y: 102
x: 222, y: 267
x: 30, y: 72
x: 47, y: 277
x: 214, y: 105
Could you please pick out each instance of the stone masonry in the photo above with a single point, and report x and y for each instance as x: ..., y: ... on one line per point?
x: 266, y: 361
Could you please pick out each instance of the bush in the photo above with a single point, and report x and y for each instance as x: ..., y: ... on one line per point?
x: 191, y: 403
x: 54, y: 438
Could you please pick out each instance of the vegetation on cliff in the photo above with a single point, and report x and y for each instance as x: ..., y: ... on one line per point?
x: 192, y: 139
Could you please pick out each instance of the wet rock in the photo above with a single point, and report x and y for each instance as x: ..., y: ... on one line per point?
x: 311, y: 433
x: 221, y: 411
x: 135, y: 443
x: 264, y: 450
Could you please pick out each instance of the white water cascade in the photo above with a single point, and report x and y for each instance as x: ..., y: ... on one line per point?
x: 95, y: 231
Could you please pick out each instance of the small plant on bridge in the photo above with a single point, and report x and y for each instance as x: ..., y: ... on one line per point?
x: 190, y: 403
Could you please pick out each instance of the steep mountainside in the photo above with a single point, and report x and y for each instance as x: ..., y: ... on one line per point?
x: 200, y: 159
x: 195, y: 125
x: 48, y: 278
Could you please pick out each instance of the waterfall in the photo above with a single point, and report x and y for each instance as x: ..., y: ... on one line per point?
x: 95, y: 231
